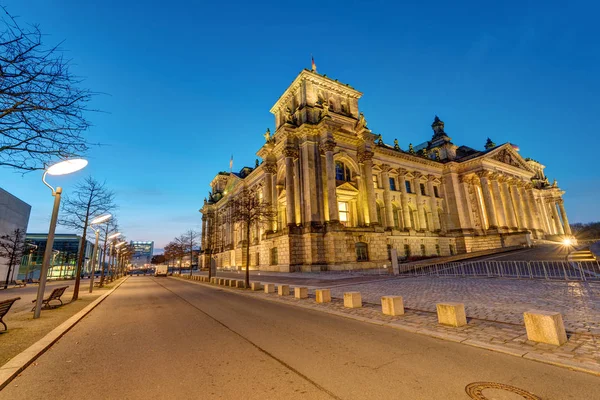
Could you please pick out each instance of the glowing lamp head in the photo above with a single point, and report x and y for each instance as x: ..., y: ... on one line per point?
x: 114, y: 235
x: 567, y: 242
x: 67, y: 166
x: 120, y: 244
x: 101, y: 219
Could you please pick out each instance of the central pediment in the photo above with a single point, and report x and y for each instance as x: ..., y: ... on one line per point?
x: 507, y: 155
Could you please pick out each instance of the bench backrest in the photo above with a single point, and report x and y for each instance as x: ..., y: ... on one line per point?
x: 6, y: 304
x: 56, y: 293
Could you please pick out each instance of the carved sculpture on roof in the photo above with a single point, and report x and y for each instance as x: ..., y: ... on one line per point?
x: 438, y: 127
x: 489, y: 144
x: 379, y: 140
x: 507, y: 157
x: 425, y: 152
x: 396, y: 145
x: 411, y: 149
x: 267, y: 135
x: 256, y: 163
x: 362, y: 122
x: 289, y: 116
x: 325, y: 111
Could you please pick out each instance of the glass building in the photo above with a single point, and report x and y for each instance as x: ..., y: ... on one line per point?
x: 64, y: 256
x: 143, y: 253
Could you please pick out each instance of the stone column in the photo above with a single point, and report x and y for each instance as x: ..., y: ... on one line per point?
x: 387, y: 197
x: 490, y: 208
x: 465, y: 182
x: 290, y: 197
x: 203, y: 239
x: 298, y: 196
x: 309, y: 171
x: 544, y: 216
x: 526, y: 207
x: 535, y: 213
x: 328, y: 147
x: 420, y: 210
x: 559, y: 227
x: 509, y: 210
x: 563, y: 213
x: 367, y: 159
x: 497, y: 196
x: 433, y: 204
x: 516, y: 197
x: 270, y: 169
x: 360, y: 209
x: 404, y: 199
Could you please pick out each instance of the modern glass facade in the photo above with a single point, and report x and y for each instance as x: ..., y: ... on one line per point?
x: 64, y: 256
x: 143, y: 253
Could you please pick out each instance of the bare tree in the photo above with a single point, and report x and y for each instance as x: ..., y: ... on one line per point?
x: 112, y: 226
x: 188, y: 241
x: 12, y: 247
x: 249, y: 210
x: 89, y: 199
x: 42, y: 106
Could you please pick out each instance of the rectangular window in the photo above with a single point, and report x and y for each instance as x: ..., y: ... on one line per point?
x: 436, y: 191
x: 361, y: 252
x: 392, y: 184
x: 422, y: 186
x: 274, y: 260
x: 344, y: 212
x: 257, y: 258
x: 407, y: 184
x: 375, y: 185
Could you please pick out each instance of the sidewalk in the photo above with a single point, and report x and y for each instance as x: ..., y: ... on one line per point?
x: 581, y: 352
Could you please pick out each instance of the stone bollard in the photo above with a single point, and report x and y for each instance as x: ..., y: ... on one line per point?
x: 283, y: 290
x: 269, y: 288
x: 213, y: 280
x: 241, y: 284
x: 392, y: 305
x: 452, y: 314
x: 323, y: 295
x: 222, y: 281
x: 545, y: 327
x: 233, y: 283
x: 352, y: 300
x: 301, y: 293
x: 255, y: 286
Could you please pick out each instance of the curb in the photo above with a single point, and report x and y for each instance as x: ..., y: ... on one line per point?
x: 545, y: 359
x: 18, y: 363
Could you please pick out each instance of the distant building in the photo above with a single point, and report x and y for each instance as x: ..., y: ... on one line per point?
x: 143, y: 253
x: 63, y: 263
x: 14, y: 214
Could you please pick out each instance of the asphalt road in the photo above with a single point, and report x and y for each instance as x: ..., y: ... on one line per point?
x: 163, y: 338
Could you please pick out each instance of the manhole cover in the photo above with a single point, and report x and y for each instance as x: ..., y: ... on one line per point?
x: 497, y: 391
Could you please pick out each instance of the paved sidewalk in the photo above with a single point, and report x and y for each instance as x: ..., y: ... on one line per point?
x: 582, y: 351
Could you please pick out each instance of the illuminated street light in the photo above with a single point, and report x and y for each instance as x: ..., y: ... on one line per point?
x: 96, y: 221
x: 114, y: 235
x: 60, y: 168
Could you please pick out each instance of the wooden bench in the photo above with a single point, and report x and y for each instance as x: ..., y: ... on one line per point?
x: 5, y: 305
x: 19, y: 283
x: 55, y: 295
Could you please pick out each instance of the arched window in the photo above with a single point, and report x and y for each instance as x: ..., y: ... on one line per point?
x: 342, y: 172
x: 362, y: 253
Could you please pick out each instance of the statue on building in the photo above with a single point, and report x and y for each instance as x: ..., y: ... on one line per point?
x: 267, y: 135
x: 325, y: 112
x: 396, y: 145
x: 256, y: 163
x: 411, y: 149
x: 489, y: 144
x: 379, y: 139
x: 362, y: 122
x: 289, y: 116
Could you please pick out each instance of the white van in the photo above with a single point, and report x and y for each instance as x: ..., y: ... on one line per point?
x: 161, y: 270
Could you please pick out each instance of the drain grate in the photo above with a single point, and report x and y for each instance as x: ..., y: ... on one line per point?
x: 476, y: 390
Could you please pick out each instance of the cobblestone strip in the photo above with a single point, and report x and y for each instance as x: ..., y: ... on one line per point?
x: 581, y: 352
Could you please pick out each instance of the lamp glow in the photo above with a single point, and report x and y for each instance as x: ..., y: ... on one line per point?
x: 567, y: 242
x: 114, y: 235
x: 67, y: 166
x: 120, y: 244
x: 100, y: 219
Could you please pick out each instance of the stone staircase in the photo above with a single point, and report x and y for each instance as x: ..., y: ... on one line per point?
x: 582, y: 255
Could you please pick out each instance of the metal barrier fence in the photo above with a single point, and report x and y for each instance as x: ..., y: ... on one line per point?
x: 550, y: 270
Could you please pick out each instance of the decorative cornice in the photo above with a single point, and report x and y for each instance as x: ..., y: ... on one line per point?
x: 365, y: 156
x: 270, y: 168
x: 328, y: 145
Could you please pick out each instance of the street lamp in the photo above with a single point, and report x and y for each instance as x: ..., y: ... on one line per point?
x: 60, y: 168
x: 111, y: 256
x: 33, y: 247
x: 118, y: 258
x: 567, y: 242
x: 96, y: 221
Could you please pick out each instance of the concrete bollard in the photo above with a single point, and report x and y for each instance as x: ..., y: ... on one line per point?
x: 451, y: 314
x: 269, y: 288
x: 545, y: 327
x: 233, y: 283
x: 392, y: 305
x: 301, y: 293
x: 323, y: 295
x: 241, y: 284
x: 222, y: 281
x: 283, y: 290
x: 352, y: 300
x: 213, y: 280
x: 255, y: 286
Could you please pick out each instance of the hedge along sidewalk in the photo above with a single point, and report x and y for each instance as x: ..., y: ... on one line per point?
x: 580, y: 353
x: 22, y: 360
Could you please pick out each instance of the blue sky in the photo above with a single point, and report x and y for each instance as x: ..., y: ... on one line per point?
x: 189, y: 83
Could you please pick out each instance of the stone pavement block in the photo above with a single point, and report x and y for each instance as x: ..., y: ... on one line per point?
x: 300, y: 292
x: 255, y: 286
x: 240, y: 284
x: 213, y: 280
x: 323, y: 295
x: 451, y: 314
x: 283, y: 290
x: 545, y: 327
x: 221, y: 281
x: 233, y: 283
x: 392, y: 305
x: 352, y: 300
x: 269, y: 288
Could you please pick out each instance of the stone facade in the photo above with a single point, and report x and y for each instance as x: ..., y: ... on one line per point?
x: 14, y: 214
x: 343, y: 198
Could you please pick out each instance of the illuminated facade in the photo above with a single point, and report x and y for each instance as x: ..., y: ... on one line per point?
x: 344, y: 198
x: 143, y: 253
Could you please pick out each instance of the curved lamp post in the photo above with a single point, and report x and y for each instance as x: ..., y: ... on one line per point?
x: 96, y: 221
x: 118, y: 258
x: 60, y: 168
x: 111, y: 252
